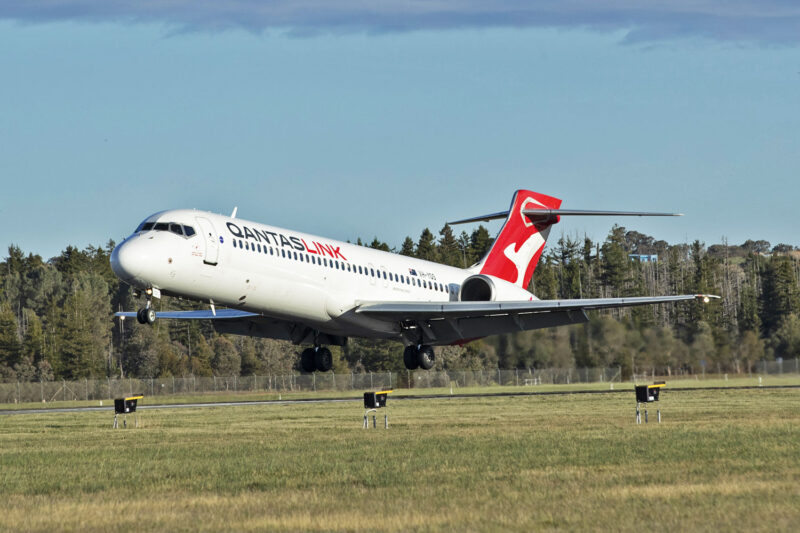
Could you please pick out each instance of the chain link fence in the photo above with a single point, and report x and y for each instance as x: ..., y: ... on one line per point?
x: 103, y: 389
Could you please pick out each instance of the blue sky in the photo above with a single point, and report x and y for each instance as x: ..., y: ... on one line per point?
x: 348, y: 123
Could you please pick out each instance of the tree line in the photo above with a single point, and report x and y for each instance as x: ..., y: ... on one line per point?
x: 56, y: 315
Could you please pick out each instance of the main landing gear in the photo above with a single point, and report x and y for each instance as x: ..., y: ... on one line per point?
x: 421, y: 356
x: 318, y: 358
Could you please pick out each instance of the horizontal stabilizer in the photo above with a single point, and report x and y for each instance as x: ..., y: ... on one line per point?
x: 549, y: 213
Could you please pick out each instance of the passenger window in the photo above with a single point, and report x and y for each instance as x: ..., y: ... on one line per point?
x: 258, y: 246
x: 188, y: 231
x: 372, y: 272
x: 283, y: 254
x: 359, y: 270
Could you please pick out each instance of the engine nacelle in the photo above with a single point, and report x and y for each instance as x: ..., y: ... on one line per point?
x: 477, y: 288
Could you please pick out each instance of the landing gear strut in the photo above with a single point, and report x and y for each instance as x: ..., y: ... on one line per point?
x: 146, y: 315
x: 318, y: 358
x: 419, y: 357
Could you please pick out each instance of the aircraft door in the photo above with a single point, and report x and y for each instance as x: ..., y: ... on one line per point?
x: 211, y: 239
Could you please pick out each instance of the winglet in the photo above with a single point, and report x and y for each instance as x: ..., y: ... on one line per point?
x: 705, y: 298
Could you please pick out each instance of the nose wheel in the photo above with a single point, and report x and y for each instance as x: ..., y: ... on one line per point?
x: 146, y: 315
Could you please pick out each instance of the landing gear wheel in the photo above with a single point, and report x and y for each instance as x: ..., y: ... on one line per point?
x: 307, y: 360
x: 323, y: 359
x: 425, y: 357
x: 410, y: 358
x: 146, y: 316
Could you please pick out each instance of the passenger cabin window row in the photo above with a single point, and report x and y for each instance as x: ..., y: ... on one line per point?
x: 340, y: 265
x: 173, y: 227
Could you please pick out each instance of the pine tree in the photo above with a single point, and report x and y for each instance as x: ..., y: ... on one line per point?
x: 408, y: 248
x: 10, y: 348
x: 449, y: 252
x: 426, y: 246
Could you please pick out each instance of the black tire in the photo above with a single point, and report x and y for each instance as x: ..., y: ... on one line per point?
x: 410, y: 358
x: 307, y: 360
x: 426, y: 358
x: 140, y: 316
x: 323, y: 359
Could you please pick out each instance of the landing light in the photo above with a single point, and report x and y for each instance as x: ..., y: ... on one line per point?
x: 706, y: 299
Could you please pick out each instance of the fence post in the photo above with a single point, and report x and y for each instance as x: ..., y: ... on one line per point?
x: 86, y: 383
x: 390, y: 379
x: 41, y: 386
x: 314, y: 381
x: 371, y: 386
x: 18, y: 393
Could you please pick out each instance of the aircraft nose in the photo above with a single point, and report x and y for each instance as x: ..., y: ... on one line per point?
x: 127, y: 260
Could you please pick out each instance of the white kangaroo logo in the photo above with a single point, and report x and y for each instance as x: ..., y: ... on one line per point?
x: 533, y: 244
x: 522, y: 257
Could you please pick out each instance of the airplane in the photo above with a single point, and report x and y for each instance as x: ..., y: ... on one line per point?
x: 284, y: 284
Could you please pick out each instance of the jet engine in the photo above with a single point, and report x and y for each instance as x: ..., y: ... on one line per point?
x: 477, y: 288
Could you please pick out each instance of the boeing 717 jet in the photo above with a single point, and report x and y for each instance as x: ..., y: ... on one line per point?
x: 314, y: 291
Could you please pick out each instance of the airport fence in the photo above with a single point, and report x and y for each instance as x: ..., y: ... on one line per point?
x: 103, y: 389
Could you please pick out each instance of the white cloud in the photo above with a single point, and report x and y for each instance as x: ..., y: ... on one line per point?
x: 764, y: 21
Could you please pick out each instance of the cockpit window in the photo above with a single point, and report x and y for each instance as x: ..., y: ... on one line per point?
x: 174, y: 227
x: 144, y: 226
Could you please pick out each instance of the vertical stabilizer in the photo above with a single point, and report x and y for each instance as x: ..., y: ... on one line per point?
x: 517, y: 248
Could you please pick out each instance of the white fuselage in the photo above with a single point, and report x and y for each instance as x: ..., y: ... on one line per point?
x: 283, y: 274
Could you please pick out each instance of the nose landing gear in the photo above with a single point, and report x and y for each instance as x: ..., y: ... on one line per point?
x: 147, y: 315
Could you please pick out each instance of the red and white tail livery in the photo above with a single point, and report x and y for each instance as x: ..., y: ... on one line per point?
x: 519, y: 245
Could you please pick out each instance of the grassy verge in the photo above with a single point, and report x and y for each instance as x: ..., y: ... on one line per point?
x: 244, y: 396
x: 721, y: 460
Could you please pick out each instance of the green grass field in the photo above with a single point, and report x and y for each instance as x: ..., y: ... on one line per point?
x: 721, y: 460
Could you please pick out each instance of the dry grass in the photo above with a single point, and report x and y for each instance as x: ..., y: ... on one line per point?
x: 724, y: 460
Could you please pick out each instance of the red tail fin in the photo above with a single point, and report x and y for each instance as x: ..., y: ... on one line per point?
x: 519, y: 245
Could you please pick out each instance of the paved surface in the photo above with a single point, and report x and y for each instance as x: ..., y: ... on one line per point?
x: 110, y: 407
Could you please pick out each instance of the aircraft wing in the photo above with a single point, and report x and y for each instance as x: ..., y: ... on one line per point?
x: 202, y: 314
x: 449, y: 322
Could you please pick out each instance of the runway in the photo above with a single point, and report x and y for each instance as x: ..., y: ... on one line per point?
x: 110, y: 407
